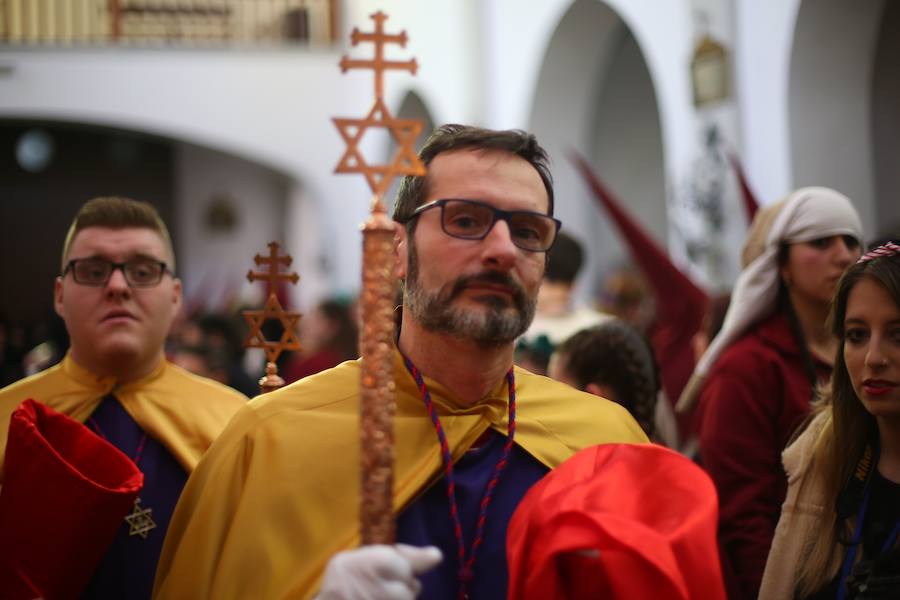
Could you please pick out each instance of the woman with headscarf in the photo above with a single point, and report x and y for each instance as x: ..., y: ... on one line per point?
x: 756, y: 381
x: 837, y: 536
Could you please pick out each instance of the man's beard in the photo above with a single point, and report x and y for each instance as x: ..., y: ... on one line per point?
x: 499, y: 322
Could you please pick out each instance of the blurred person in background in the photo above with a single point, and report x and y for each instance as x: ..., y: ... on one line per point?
x: 612, y: 360
x: 756, y: 381
x: 203, y: 360
x: 711, y: 325
x: 837, y: 536
x: 625, y: 295
x: 329, y: 337
x: 557, y: 316
x: 223, y: 337
x: 210, y: 345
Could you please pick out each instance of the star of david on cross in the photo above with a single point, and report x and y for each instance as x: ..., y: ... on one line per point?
x: 403, y: 131
x: 272, y: 310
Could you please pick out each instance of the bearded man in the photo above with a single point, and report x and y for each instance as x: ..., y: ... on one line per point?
x: 271, y: 512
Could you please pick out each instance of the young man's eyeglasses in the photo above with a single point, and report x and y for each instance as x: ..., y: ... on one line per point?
x: 473, y: 220
x: 138, y: 272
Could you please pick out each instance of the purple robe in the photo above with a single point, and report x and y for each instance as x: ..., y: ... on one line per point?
x: 426, y: 521
x: 129, y: 566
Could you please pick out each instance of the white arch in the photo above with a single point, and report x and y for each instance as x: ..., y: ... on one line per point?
x: 594, y: 94
x: 830, y: 98
x: 804, y: 79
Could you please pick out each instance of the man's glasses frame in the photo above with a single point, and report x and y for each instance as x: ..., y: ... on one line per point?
x: 498, y: 214
x: 130, y: 270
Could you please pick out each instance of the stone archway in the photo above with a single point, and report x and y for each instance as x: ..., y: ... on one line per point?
x: 185, y: 181
x: 595, y: 94
x: 842, y: 97
x: 885, y: 124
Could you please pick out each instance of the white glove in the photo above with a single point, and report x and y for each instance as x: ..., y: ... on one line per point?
x: 377, y: 572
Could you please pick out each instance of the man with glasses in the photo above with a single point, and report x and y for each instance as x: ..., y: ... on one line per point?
x: 271, y: 510
x: 118, y: 294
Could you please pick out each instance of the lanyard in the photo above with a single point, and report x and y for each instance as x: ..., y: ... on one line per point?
x: 854, y: 544
x: 467, y: 565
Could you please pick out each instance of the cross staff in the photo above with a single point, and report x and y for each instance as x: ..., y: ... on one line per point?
x: 274, y: 261
x: 377, y: 405
x: 272, y: 310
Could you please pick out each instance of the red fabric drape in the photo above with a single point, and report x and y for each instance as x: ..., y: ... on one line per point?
x: 65, y: 494
x: 750, y: 203
x: 617, y: 521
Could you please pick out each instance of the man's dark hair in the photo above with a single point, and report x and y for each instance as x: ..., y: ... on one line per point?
x: 447, y: 138
x: 564, y: 260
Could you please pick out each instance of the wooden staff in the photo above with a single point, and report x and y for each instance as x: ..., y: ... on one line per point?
x: 377, y: 405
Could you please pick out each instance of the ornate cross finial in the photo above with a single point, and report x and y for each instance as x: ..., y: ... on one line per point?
x: 272, y: 310
x: 403, y: 131
x: 274, y: 261
x: 379, y: 64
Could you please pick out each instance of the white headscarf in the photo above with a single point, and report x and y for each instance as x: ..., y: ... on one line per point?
x: 805, y: 215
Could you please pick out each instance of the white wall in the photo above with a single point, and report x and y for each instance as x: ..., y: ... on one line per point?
x: 552, y: 63
x: 445, y: 39
x: 480, y: 62
x: 626, y: 137
x: 213, y: 264
x: 594, y: 95
x: 830, y: 98
x: 805, y: 96
x: 763, y: 41
x: 519, y: 35
x: 271, y: 107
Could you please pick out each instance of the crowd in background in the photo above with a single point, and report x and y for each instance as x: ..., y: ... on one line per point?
x: 760, y: 356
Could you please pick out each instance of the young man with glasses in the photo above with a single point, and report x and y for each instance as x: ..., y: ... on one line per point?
x: 118, y: 294
x: 271, y: 511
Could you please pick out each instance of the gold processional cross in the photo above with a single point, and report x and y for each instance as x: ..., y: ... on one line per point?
x: 377, y: 405
x: 272, y: 310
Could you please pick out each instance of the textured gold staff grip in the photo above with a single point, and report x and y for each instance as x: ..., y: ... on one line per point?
x: 377, y: 404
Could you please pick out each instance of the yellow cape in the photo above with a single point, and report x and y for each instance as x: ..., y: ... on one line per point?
x: 182, y: 411
x: 277, y: 494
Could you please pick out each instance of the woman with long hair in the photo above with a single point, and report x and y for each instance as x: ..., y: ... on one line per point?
x: 757, y: 379
x: 837, y: 536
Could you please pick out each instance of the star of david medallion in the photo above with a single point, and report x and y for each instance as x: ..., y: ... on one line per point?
x: 139, y: 521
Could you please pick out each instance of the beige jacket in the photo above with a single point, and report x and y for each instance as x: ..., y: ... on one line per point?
x: 803, y: 514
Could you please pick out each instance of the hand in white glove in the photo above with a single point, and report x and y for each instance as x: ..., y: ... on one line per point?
x: 377, y: 572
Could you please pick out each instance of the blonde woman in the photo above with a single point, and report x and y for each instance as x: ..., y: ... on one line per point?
x: 837, y: 536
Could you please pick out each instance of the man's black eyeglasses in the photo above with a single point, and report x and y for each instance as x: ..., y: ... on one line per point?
x: 473, y: 220
x: 138, y: 272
